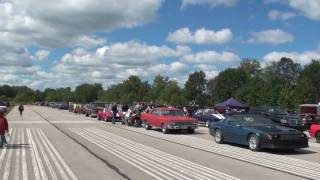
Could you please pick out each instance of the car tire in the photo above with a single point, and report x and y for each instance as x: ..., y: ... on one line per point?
x: 254, y: 143
x: 318, y: 137
x: 207, y: 123
x: 190, y: 131
x: 164, y: 129
x: 218, y: 136
x: 146, y: 125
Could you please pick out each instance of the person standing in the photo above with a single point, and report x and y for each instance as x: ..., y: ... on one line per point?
x: 114, y: 113
x: 21, y: 109
x: 3, y: 129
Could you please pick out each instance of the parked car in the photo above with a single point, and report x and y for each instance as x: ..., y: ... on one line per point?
x: 106, y: 114
x: 280, y: 116
x: 315, y: 131
x: 257, y: 131
x: 93, y: 109
x: 168, y: 119
x: 4, y: 106
x: 310, y: 113
x: 207, y: 116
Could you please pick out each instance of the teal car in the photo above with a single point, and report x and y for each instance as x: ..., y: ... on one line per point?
x: 257, y: 132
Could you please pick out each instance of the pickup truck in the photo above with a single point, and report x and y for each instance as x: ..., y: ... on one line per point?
x: 168, y: 119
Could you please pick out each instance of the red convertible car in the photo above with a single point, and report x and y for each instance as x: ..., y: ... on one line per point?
x: 315, y: 132
x: 168, y: 119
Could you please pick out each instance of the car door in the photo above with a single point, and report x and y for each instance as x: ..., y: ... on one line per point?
x: 233, y: 129
x: 153, y: 117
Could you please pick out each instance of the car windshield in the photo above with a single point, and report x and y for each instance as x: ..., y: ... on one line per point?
x: 256, y: 121
x: 171, y: 113
x: 277, y: 111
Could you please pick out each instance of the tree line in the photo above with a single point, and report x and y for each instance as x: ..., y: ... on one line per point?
x: 283, y: 83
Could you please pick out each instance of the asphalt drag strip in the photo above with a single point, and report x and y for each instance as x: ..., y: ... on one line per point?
x: 30, y: 155
x: 297, y: 167
x: 155, y: 163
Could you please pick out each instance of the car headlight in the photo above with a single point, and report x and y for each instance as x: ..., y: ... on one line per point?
x: 283, y: 121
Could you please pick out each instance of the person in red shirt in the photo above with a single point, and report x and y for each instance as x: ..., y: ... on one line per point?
x: 3, y: 129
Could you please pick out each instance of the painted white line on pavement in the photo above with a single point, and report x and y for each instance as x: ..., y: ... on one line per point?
x: 8, y: 162
x: 170, y: 160
x: 277, y: 162
x: 17, y: 163
x: 134, y: 162
x: 4, y: 150
x: 57, y: 159
x: 24, y: 158
x: 157, y: 159
x: 44, y: 155
x: 146, y: 161
x: 37, y: 157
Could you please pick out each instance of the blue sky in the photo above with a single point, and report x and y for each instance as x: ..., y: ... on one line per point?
x: 48, y: 44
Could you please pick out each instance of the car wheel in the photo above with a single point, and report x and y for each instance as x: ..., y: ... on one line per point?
x: 146, y: 125
x: 218, y: 137
x: 190, y: 131
x: 207, y: 123
x: 164, y: 129
x: 254, y: 143
x: 318, y: 137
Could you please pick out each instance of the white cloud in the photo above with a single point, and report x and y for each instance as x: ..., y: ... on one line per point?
x: 211, y: 3
x: 69, y: 22
x: 309, y: 8
x: 279, y: 15
x: 302, y: 58
x: 42, y: 54
x: 115, y: 62
x: 200, y: 36
x: 272, y: 36
x: 211, y: 57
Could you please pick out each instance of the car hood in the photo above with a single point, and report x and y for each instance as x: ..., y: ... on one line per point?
x: 275, y: 129
x: 218, y: 116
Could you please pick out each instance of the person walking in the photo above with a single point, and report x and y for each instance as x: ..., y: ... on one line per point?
x: 3, y: 129
x: 21, y: 109
x: 114, y: 113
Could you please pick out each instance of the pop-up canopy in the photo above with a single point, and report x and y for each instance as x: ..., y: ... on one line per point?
x: 232, y: 103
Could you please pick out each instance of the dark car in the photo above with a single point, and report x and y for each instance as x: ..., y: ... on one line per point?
x: 257, y: 131
x: 207, y: 116
x: 280, y: 116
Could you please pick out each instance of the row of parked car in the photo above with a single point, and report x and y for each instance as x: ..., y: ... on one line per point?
x: 260, y: 127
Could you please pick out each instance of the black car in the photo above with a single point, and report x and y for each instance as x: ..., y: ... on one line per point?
x: 280, y: 116
x: 257, y: 131
x: 207, y: 116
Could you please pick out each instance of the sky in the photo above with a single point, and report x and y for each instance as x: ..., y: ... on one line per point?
x: 64, y: 43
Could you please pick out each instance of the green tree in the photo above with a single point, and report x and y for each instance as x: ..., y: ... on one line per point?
x: 308, y: 85
x: 87, y: 92
x: 195, y: 89
x: 227, y: 83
